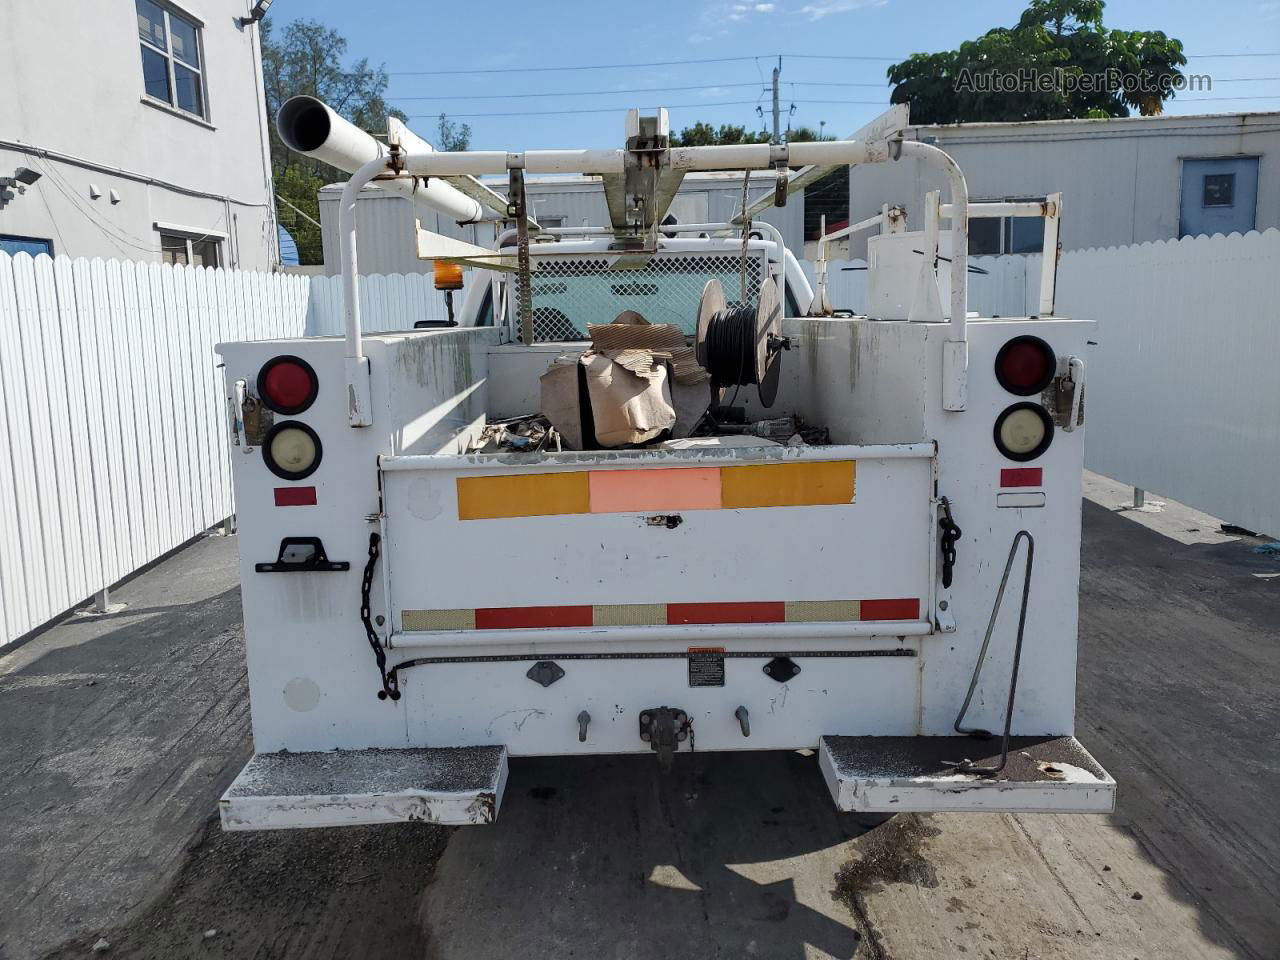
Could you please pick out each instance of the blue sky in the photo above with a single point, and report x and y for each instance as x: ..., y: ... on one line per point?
x: 517, y: 39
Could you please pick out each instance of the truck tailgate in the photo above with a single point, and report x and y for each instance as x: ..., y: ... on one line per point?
x: 836, y: 539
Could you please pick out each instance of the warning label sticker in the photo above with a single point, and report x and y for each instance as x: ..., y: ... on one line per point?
x: 706, y: 666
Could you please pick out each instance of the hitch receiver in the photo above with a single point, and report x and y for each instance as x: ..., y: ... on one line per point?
x: 663, y: 728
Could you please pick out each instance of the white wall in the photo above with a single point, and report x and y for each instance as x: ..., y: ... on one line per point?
x: 114, y: 444
x: 1120, y: 179
x: 71, y: 76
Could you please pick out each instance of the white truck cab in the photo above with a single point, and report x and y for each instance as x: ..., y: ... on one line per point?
x: 883, y: 590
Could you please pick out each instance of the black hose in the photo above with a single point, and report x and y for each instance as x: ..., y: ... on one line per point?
x: 731, y: 346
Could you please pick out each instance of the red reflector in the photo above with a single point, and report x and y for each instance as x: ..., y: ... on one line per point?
x: 908, y: 609
x: 288, y: 385
x: 508, y: 618
x: 755, y: 612
x: 1022, y: 477
x: 295, y: 496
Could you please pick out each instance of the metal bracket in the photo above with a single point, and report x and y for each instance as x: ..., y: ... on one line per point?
x: 302, y: 555
x: 1064, y: 397
x: 256, y: 419
x: 517, y: 207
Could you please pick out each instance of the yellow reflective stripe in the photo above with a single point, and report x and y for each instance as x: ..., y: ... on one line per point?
x: 623, y: 491
x: 787, y: 484
x: 529, y: 495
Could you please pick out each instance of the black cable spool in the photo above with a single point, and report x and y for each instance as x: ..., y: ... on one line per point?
x: 740, y: 345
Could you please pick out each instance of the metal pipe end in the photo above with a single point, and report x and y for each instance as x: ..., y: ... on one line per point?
x: 304, y: 123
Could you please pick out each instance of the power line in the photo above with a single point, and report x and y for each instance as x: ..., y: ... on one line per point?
x: 548, y: 113
x: 740, y: 103
x: 557, y: 69
x: 446, y: 98
x: 576, y: 93
x: 676, y: 63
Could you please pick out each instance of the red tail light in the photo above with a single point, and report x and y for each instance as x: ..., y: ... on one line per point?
x: 1026, y: 365
x: 288, y: 385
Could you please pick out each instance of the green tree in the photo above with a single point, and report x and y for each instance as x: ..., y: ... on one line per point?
x: 1074, y: 66
x: 452, y: 136
x: 307, y: 59
x: 706, y: 135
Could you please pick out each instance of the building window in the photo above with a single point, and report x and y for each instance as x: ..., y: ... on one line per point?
x: 1219, y: 190
x: 192, y: 251
x: 993, y: 236
x: 171, y: 61
x: 11, y: 245
x: 984, y: 237
x: 550, y: 222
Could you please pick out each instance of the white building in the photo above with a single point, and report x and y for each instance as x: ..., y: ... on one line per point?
x: 1127, y: 180
x: 145, y: 121
x: 385, y: 223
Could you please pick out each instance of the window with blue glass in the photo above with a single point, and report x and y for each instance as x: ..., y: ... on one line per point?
x: 172, y: 66
x: 11, y: 244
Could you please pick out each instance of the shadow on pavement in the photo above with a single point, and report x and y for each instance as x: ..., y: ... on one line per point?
x: 727, y: 855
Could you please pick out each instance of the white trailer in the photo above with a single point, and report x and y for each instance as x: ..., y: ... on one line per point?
x: 417, y: 610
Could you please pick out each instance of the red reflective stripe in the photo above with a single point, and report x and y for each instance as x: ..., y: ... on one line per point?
x: 508, y: 618
x: 769, y: 612
x: 907, y: 609
x: 295, y: 496
x: 1022, y: 477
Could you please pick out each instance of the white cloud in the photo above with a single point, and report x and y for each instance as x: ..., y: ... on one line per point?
x: 735, y: 12
x: 825, y: 8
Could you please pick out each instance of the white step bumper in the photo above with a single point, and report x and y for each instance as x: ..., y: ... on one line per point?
x: 343, y: 788
x: 909, y: 774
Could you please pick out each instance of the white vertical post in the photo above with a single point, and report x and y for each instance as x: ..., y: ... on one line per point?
x: 1049, y: 256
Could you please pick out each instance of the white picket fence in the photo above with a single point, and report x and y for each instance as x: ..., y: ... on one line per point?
x: 114, y: 446
x: 1008, y: 286
x: 1183, y: 394
x: 387, y: 302
x: 113, y: 442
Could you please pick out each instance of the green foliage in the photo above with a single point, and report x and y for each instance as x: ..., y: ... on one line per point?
x: 307, y: 59
x: 297, y: 198
x: 452, y: 136
x: 1076, y: 66
x: 806, y: 135
x: 705, y: 135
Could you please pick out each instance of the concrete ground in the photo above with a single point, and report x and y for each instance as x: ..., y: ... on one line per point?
x: 117, y: 733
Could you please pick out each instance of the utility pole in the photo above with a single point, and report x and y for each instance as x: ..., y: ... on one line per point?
x: 777, y: 71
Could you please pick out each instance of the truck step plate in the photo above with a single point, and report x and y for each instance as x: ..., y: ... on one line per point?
x: 901, y: 774
x: 445, y: 785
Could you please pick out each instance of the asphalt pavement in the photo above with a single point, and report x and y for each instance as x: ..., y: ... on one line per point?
x: 118, y: 733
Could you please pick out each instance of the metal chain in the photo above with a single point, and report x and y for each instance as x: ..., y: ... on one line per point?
x: 950, y: 534
x: 390, y: 683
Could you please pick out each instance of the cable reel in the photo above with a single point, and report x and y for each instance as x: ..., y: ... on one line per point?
x: 741, y: 345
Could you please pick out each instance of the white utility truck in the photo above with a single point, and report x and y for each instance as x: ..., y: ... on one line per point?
x: 651, y: 495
